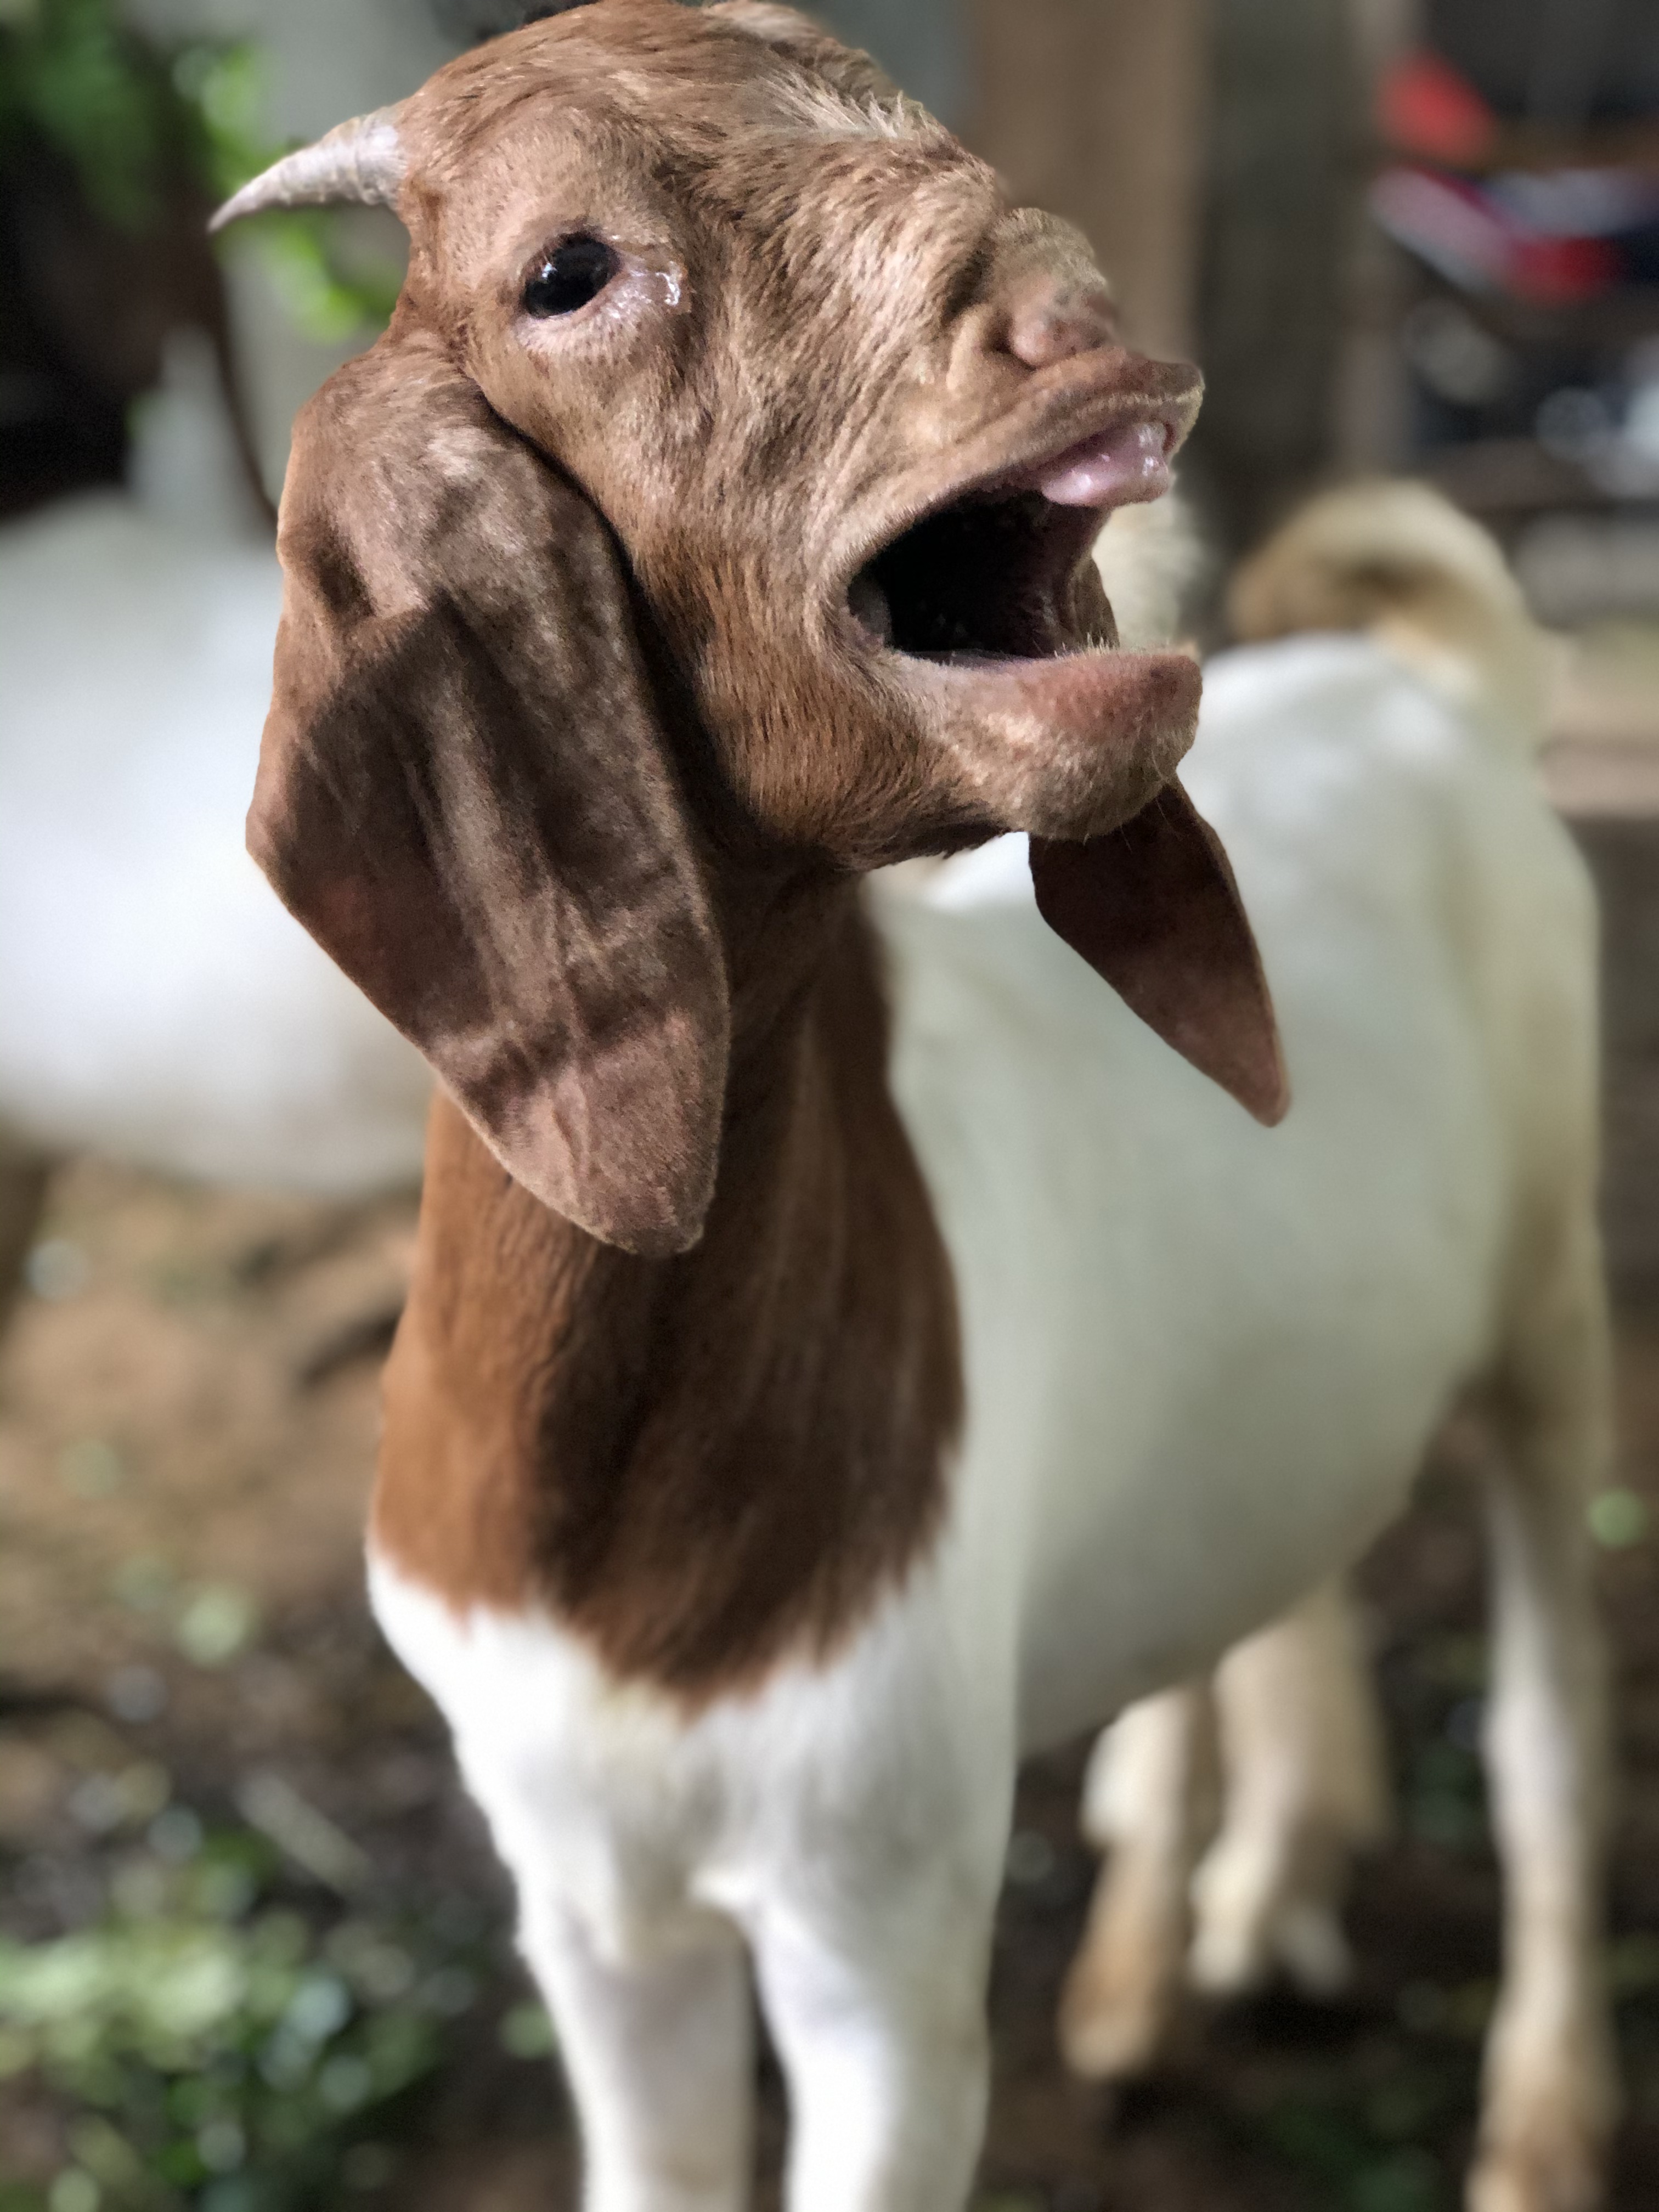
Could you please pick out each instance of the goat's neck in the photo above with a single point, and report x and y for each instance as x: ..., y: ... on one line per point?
x: 698, y: 1464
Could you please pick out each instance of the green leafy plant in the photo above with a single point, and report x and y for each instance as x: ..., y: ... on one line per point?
x: 215, y: 2045
x: 143, y: 123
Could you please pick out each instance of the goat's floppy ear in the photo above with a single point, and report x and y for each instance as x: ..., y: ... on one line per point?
x: 465, y: 795
x: 1153, y: 907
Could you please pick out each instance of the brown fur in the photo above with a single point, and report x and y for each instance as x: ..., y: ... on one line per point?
x: 835, y: 364
x: 698, y: 1462
x: 1187, y: 965
x: 576, y: 744
x: 466, y: 792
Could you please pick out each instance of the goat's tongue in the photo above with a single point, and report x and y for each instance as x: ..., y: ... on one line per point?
x: 1116, y: 469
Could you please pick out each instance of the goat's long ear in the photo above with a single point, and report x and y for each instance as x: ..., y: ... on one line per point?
x: 466, y: 796
x: 1153, y: 907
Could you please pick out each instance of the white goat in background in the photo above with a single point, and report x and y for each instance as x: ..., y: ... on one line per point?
x: 156, y: 1003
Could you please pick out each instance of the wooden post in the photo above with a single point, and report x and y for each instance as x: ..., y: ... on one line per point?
x: 1095, y: 108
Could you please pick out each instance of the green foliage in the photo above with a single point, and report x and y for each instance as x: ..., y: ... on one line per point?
x: 1374, y: 2145
x: 217, y: 2046
x: 141, y: 123
x: 326, y: 294
x: 71, y: 74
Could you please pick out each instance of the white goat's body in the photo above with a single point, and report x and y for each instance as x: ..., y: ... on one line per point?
x: 1203, y: 1363
x: 1205, y: 1358
x: 156, y: 1003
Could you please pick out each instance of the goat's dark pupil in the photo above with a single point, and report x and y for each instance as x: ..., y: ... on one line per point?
x: 569, y: 277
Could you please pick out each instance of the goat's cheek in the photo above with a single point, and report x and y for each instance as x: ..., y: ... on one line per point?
x: 589, y: 388
x: 824, y: 794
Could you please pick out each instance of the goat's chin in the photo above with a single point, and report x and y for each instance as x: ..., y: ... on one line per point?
x: 1066, y: 747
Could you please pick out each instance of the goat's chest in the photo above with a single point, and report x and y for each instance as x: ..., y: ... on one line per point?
x: 642, y: 1817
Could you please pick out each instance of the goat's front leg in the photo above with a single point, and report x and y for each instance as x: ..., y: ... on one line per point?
x: 1550, y: 2090
x: 660, y: 2058
x: 878, y: 2016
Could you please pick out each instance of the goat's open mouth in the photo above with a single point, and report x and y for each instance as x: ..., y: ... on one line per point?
x: 996, y: 575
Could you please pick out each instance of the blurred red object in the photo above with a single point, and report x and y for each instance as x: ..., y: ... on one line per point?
x: 1426, y: 107
x: 1480, y: 245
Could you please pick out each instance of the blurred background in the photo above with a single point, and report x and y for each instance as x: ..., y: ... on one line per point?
x: 254, y: 1953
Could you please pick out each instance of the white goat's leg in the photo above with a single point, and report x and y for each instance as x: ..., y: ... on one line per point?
x: 1303, y: 1787
x: 1148, y: 1788
x: 885, y: 2048
x: 660, y: 2061
x: 1550, y: 2090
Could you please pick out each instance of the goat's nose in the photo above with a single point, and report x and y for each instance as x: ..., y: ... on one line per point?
x: 1052, y: 317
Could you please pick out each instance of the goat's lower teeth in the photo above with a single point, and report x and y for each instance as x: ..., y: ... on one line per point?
x: 869, y: 603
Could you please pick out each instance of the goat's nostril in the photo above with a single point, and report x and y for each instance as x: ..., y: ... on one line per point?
x: 1052, y: 322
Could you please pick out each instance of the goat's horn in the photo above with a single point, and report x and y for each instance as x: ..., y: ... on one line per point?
x: 362, y: 159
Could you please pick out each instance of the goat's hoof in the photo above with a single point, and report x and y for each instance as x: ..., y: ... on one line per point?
x: 1534, y: 2179
x: 1553, y: 2163
x: 1227, y: 1959
x: 1114, y: 2026
x: 1313, y: 1949
x: 1548, y: 2113
x: 1246, y: 1934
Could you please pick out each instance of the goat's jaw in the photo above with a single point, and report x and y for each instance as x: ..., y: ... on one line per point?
x: 1069, y: 747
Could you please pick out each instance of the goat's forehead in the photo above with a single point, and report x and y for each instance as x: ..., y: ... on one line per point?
x: 694, y: 101
x: 828, y: 175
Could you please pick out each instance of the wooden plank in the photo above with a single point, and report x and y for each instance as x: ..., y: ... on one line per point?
x: 1096, y: 108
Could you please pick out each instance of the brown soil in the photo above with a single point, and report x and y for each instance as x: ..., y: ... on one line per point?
x: 185, y: 1435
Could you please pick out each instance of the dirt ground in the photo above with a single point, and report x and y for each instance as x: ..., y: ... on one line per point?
x: 186, y: 1424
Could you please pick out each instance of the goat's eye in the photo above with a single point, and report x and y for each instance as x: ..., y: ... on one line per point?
x: 572, y: 275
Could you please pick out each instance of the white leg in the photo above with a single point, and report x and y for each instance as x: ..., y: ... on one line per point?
x: 881, y: 2031
x: 661, y: 2061
x: 1146, y: 1800
x: 1303, y: 1787
x: 1550, y: 2090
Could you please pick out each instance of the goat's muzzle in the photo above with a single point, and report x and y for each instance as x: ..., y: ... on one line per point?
x: 978, y: 598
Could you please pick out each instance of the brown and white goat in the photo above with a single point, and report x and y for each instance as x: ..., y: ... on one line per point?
x: 818, y: 1385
